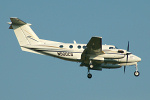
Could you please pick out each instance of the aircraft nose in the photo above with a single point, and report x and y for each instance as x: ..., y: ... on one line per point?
x: 138, y: 59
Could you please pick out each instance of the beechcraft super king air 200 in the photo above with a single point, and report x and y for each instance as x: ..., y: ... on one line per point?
x: 92, y: 55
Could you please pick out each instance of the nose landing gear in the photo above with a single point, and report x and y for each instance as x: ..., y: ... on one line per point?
x: 136, y: 73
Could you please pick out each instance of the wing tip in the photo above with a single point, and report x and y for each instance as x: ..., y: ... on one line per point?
x: 13, y: 17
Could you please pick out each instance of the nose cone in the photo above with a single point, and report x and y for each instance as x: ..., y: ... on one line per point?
x: 138, y: 59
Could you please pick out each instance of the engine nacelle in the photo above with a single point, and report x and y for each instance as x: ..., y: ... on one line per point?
x: 110, y: 66
x: 107, y: 56
x: 113, y: 56
x: 97, y: 68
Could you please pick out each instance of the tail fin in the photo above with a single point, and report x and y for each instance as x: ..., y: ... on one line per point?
x: 23, y: 32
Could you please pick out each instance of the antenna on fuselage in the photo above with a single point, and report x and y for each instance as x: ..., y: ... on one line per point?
x: 74, y: 42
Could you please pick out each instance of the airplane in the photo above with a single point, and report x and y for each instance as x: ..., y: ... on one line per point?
x: 92, y: 55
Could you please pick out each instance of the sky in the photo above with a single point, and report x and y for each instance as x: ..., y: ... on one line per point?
x: 27, y: 76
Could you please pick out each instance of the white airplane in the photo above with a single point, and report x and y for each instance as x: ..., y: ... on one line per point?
x: 93, y: 55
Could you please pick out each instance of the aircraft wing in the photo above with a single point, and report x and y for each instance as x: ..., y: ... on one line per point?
x: 94, y: 48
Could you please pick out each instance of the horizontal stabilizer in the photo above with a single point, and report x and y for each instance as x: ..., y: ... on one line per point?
x: 17, y: 21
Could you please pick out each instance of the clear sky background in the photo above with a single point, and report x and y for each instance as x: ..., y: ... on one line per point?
x: 27, y: 76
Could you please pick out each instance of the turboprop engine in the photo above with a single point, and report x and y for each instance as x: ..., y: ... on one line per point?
x: 107, y: 56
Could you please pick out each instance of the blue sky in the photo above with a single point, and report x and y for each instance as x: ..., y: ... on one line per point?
x: 27, y: 76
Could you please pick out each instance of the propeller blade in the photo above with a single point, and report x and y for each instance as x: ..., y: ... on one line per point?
x: 128, y: 46
x: 127, y: 57
x: 127, y: 50
x: 124, y: 69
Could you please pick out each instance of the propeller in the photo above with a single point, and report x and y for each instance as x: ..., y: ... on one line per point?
x: 128, y: 51
x: 127, y: 57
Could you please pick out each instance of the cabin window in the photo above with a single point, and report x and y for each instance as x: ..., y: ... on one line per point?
x: 84, y: 47
x: 61, y: 46
x: 71, y: 46
x: 111, y: 47
x: 79, y: 47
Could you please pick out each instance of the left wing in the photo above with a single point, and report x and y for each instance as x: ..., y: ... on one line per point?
x: 93, y: 49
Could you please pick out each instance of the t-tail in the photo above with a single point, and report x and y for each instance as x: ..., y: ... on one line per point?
x: 24, y: 34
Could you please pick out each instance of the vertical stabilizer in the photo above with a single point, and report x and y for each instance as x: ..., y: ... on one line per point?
x: 23, y: 32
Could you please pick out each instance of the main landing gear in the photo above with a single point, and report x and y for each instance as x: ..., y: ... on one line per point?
x: 91, y: 66
x: 89, y: 74
x: 136, y: 73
